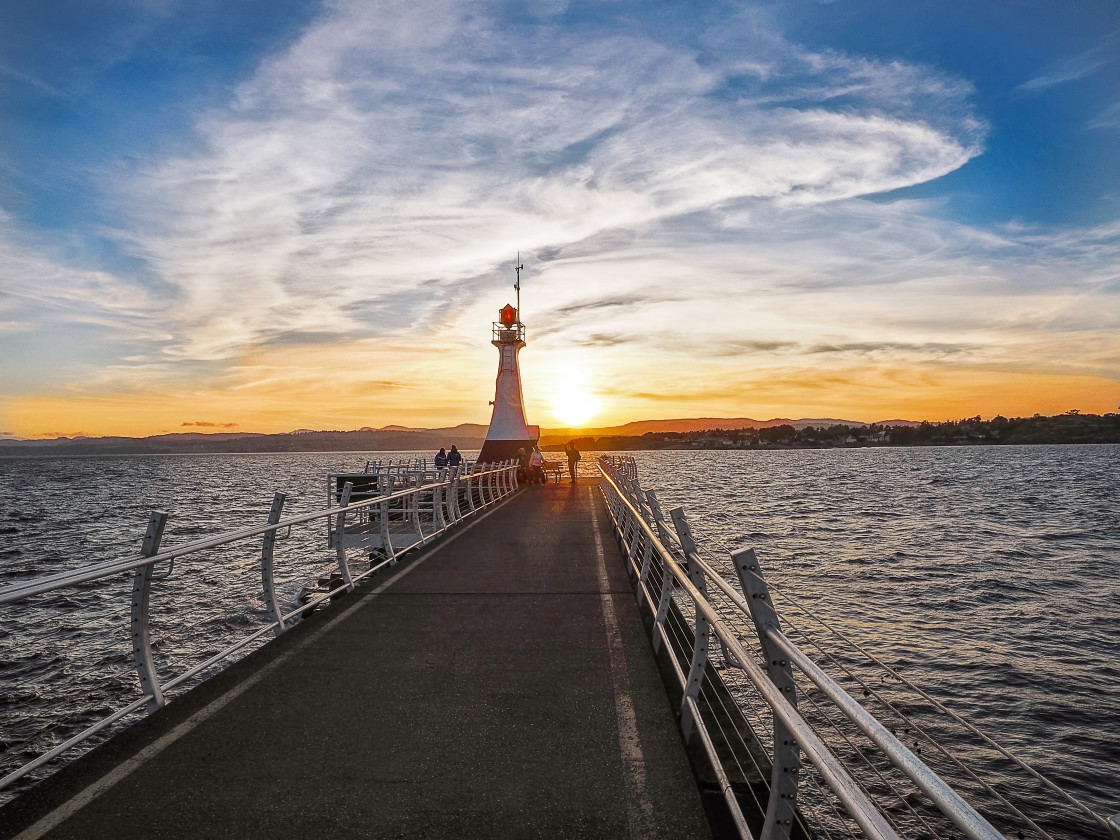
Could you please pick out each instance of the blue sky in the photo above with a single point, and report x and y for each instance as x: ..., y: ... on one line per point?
x: 268, y: 215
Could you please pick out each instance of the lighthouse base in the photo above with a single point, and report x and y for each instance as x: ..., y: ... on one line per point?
x: 503, y: 450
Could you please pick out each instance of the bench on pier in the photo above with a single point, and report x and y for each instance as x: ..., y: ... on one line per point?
x: 554, y: 470
x: 365, y: 487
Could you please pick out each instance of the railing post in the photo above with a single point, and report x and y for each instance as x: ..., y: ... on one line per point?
x: 456, y: 511
x: 702, y: 629
x: 414, y: 482
x: 614, y: 507
x: 655, y: 511
x: 141, y: 597
x: 787, y: 755
x: 469, y: 471
x: 340, y: 536
x: 658, y: 517
x: 667, y: 580
x: 626, y: 519
x: 385, y: 488
x: 636, y: 534
x: 667, y: 584
x: 268, y: 582
x: 439, y: 495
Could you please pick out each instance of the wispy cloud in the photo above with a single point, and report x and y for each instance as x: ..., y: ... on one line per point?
x: 381, y: 150
x: 1075, y: 67
x: 19, y: 77
x: 1108, y: 118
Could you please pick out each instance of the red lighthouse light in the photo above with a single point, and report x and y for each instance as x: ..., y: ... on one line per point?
x: 508, y: 316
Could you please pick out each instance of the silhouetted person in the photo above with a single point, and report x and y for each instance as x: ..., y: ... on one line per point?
x: 573, y: 459
x: 454, y: 457
x: 441, y: 458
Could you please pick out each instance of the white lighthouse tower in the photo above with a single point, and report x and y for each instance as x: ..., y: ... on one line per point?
x: 508, y: 430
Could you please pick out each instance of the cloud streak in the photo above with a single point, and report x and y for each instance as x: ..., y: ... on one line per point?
x: 1072, y: 68
x: 335, y: 176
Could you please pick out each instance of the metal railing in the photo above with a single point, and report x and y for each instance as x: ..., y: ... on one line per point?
x: 364, y: 532
x: 760, y: 707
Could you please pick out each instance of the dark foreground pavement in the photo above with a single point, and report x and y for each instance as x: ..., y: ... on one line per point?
x: 498, y: 685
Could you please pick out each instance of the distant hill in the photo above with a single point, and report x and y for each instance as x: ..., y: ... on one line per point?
x: 387, y: 438
x: 465, y: 436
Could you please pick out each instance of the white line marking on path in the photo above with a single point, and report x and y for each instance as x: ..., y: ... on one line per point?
x: 129, y: 766
x: 639, y: 808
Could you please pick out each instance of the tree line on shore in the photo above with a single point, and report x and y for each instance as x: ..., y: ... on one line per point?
x: 1071, y: 427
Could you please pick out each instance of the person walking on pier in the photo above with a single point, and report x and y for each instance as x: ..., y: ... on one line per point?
x: 573, y: 458
x: 441, y: 458
x: 454, y: 457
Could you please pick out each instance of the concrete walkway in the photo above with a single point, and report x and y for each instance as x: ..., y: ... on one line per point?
x: 497, y: 685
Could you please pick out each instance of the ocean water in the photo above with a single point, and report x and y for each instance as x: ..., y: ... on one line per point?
x: 66, y: 659
x: 990, y: 575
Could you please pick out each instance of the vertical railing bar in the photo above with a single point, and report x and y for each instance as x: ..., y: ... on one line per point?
x: 141, y: 613
x: 268, y: 581
x: 668, y: 583
x: 702, y: 629
x: 340, y: 536
x: 417, y: 480
x: 721, y: 775
x: 385, y: 488
x: 439, y: 522
x: 647, y: 556
x: 470, y: 488
x: 456, y: 512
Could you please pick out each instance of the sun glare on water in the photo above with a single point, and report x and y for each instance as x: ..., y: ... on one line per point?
x: 574, y: 405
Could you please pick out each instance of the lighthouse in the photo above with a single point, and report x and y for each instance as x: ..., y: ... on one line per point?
x: 508, y: 430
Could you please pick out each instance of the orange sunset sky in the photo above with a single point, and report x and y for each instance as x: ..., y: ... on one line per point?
x: 290, y: 221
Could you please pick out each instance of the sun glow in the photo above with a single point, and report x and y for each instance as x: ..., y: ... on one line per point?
x: 574, y: 405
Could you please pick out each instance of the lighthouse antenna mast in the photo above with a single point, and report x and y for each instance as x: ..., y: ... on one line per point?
x: 517, y: 285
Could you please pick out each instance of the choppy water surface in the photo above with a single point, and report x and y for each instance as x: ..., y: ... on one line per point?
x: 991, y: 575
x: 66, y: 658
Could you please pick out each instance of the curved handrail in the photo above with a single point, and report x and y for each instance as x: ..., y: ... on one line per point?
x: 500, y: 482
x: 61, y: 580
x: 859, y: 806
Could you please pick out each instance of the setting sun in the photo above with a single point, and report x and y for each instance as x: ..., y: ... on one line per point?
x: 574, y: 405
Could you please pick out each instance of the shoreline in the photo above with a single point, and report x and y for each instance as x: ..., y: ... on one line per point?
x: 559, y: 449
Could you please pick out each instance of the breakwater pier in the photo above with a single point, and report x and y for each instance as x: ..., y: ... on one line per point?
x: 498, y: 683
